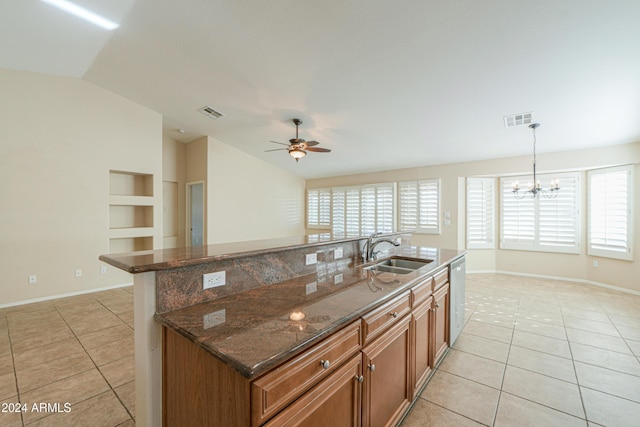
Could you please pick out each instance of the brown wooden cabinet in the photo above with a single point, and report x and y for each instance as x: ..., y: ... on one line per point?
x: 440, y: 323
x: 365, y: 374
x: 421, y: 343
x: 386, y: 387
x: 336, y: 401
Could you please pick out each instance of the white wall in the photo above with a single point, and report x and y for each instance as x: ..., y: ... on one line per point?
x: 59, y: 138
x: 612, y: 272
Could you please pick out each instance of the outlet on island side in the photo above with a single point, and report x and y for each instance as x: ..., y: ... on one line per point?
x: 212, y: 280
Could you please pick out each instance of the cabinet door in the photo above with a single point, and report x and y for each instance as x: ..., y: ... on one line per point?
x: 335, y: 401
x: 441, y: 322
x: 387, y: 384
x: 421, y: 344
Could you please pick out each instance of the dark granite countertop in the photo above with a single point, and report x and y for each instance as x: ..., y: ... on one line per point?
x: 253, y: 331
x: 164, y: 259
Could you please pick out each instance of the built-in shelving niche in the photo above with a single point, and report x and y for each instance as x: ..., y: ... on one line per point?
x: 131, y: 208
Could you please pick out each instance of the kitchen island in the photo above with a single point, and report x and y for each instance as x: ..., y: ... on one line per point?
x: 277, y: 310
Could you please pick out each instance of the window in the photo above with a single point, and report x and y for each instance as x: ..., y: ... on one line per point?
x: 541, y: 224
x: 360, y: 211
x: 480, y: 213
x: 419, y: 206
x: 319, y: 208
x: 610, y: 212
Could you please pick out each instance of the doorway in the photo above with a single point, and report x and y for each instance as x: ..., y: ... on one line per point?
x: 195, y: 213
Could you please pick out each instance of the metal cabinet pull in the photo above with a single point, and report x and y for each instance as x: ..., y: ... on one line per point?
x: 372, y: 367
x: 325, y: 364
x: 394, y: 314
x: 359, y: 378
x: 437, y: 305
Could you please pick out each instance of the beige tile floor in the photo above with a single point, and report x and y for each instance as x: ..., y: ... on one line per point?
x: 76, y: 350
x: 538, y: 353
x: 533, y: 353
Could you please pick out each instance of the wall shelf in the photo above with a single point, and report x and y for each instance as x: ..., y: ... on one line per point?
x: 131, y: 211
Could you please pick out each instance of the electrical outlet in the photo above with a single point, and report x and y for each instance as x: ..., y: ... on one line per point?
x: 33, y: 279
x: 595, y: 263
x: 103, y: 269
x: 214, y: 319
x: 212, y: 280
x: 338, y: 278
x: 337, y: 253
x: 312, y: 287
x: 311, y: 259
x: 78, y: 273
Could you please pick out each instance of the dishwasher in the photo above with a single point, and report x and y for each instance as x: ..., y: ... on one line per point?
x: 457, y: 294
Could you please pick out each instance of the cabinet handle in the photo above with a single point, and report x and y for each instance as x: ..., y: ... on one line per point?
x: 437, y: 305
x: 325, y: 364
x: 372, y: 367
x: 359, y: 378
x: 394, y: 314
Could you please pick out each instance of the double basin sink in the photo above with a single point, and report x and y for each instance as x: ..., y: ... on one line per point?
x: 398, y: 265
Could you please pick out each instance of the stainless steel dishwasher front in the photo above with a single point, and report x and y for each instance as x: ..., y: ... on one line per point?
x: 457, y: 289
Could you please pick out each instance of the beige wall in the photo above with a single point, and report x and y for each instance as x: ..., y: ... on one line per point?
x: 248, y: 199
x: 174, y: 160
x: 59, y: 138
x: 612, y: 272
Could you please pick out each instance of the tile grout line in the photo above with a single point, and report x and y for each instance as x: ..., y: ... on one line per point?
x: 94, y: 364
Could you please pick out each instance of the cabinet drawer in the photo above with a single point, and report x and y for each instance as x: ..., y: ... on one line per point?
x: 282, y: 385
x: 421, y: 292
x: 440, y: 278
x: 377, y: 321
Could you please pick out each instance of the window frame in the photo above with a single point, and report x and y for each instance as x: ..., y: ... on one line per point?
x: 422, y: 226
x: 534, y: 243
x: 627, y: 255
x: 348, y: 207
x: 489, y: 226
x: 318, y: 224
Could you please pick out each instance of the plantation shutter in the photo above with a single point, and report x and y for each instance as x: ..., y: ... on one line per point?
x: 610, y: 203
x: 419, y: 206
x: 480, y: 213
x: 359, y: 211
x: 558, y: 217
x: 319, y: 208
x: 541, y: 223
x: 518, y: 219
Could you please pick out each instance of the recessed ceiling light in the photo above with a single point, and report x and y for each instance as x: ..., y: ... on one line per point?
x: 83, y: 13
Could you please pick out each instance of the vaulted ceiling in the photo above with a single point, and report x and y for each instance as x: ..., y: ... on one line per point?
x: 383, y: 84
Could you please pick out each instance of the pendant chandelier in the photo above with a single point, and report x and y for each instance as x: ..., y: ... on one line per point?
x: 535, y: 188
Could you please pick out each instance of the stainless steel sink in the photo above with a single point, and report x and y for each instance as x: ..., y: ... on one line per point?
x: 398, y: 265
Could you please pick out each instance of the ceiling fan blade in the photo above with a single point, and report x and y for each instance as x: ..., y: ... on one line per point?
x: 311, y: 143
x: 318, y: 149
x: 276, y: 149
x: 281, y: 143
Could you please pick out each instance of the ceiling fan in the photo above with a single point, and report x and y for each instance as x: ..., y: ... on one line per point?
x: 298, y: 147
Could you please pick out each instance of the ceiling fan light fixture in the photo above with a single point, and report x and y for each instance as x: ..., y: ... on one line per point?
x: 297, y: 153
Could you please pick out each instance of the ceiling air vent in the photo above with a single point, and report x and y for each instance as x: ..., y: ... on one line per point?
x: 518, y: 120
x: 210, y: 112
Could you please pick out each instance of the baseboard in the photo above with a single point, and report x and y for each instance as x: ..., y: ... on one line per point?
x: 70, y: 294
x: 564, y: 279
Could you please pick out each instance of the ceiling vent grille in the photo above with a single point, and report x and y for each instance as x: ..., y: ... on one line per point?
x: 518, y: 120
x: 210, y: 112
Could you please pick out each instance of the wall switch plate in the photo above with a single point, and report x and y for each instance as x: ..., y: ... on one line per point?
x: 212, y: 280
x: 595, y: 263
x: 33, y: 279
x: 78, y: 272
x: 312, y: 287
x: 103, y: 269
x: 337, y: 253
x: 214, y: 318
x: 311, y: 259
x: 338, y: 278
